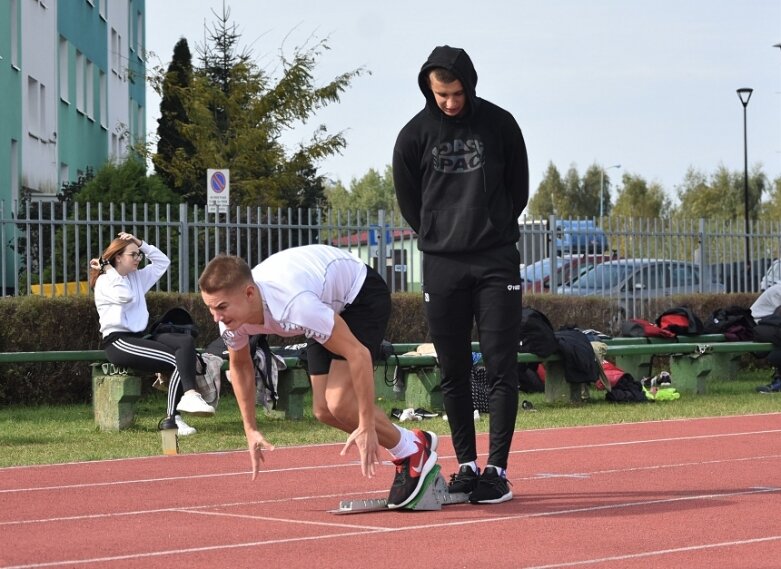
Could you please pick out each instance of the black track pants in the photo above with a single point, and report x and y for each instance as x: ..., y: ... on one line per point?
x: 483, y: 288
x: 166, y: 353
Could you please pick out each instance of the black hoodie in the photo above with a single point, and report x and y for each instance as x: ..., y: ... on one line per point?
x: 461, y: 182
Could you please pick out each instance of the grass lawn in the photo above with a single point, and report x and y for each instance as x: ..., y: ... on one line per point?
x: 47, y: 435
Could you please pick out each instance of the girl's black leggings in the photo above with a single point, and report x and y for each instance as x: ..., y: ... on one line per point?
x: 166, y: 353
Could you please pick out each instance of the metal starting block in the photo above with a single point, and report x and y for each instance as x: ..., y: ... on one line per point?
x: 432, y: 496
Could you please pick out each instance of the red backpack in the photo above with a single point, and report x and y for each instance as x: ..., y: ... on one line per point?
x: 639, y: 328
x: 680, y: 320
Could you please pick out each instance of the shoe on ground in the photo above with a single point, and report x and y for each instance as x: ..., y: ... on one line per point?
x: 491, y: 488
x: 463, y: 481
x: 411, y: 471
x: 773, y: 387
x: 396, y: 413
x: 192, y: 402
x: 425, y: 413
x: 184, y: 430
x: 166, y: 423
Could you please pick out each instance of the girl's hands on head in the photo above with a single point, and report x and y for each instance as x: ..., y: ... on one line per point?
x: 129, y: 237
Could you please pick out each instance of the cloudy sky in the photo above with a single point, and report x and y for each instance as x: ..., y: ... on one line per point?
x: 647, y: 85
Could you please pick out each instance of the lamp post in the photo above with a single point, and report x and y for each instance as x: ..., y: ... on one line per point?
x: 602, y: 189
x: 744, y: 94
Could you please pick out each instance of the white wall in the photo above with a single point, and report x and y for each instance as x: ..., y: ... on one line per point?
x: 118, y: 93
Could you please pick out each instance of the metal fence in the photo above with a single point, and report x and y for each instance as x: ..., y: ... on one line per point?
x: 46, y: 246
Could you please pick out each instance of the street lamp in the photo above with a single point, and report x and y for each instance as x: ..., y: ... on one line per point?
x: 602, y: 189
x: 744, y: 95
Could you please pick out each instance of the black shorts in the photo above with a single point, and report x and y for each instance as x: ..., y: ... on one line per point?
x: 367, y: 317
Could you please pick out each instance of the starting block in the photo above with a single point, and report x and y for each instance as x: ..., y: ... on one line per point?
x: 432, y: 497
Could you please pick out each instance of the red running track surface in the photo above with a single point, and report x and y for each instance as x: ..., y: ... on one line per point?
x: 702, y: 493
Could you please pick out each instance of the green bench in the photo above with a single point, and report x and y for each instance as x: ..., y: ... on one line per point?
x: 692, y: 360
x: 115, y: 391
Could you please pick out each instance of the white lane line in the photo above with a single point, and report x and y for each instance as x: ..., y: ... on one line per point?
x: 657, y: 552
x: 364, y: 493
x: 284, y: 520
x: 352, y: 464
x: 179, y: 552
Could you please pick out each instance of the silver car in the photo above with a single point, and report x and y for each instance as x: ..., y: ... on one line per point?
x: 632, y: 281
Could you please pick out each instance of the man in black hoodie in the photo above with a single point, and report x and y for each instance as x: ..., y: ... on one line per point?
x: 461, y: 175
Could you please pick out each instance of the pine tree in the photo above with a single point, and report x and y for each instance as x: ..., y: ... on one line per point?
x: 172, y: 124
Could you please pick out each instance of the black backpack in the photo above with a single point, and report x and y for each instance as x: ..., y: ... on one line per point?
x: 175, y: 321
x: 735, y: 322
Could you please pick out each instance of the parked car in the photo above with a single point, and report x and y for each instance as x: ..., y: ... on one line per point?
x: 633, y: 281
x: 579, y: 236
x: 536, y: 277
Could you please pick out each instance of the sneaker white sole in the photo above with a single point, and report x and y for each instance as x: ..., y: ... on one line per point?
x: 506, y: 498
x: 427, y: 466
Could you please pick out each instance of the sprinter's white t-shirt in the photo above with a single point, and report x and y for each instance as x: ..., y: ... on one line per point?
x: 302, y: 289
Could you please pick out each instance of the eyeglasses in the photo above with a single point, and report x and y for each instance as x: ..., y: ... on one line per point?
x: 138, y: 255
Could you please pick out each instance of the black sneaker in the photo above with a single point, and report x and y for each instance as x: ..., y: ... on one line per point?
x: 463, y: 481
x: 773, y: 387
x: 411, y: 472
x: 425, y: 413
x: 167, y: 423
x: 491, y: 488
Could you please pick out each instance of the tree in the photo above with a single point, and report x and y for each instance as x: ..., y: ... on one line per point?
x: 771, y: 210
x: 237, y: 114
x: 541, y: 203
x: 566, y: 204
x: 370, y: 192
x: 722, y: 196
x: 125, y: 183
x: 170, y: 126
x: 639, y: 200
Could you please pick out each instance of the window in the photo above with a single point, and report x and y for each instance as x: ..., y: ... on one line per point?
x: 116, y: 50
x: 140, y: 35
x: 90, y: 86
x: 683, y: 276
x: 42, y: 122
x: 13, y: 18
x: 63, y: 56
x: 102, y: 8
x: 79, y: 82
x: 103, y: 100
x: 14, y: 169
x: 33, y: 107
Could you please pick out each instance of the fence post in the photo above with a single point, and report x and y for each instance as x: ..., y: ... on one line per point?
x: 184, y: 250
x: 382, y: 244
x: 702, y: 257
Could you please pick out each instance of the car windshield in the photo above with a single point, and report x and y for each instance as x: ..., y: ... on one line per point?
x: 604, y: 276
x: 539, y: 270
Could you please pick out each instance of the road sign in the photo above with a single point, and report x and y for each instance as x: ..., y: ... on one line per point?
x: 217, y: 190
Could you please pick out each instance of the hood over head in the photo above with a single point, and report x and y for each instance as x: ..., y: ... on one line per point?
x: 457, y: 61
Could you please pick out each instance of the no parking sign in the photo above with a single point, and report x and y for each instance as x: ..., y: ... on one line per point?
x: 217, y: 190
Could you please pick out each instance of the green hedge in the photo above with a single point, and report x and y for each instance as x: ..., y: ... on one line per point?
x: 33, y: 323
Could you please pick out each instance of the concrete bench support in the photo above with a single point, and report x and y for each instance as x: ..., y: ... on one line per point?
x: 558, y: 389
x: 292, y: 387
x: 423, y: 388
x: 114, y: 395
x: 689, y: 373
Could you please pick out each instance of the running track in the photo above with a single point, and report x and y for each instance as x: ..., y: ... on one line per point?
x: 703, y: 493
